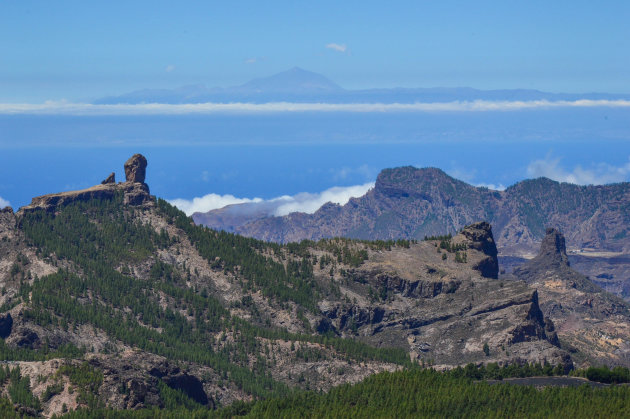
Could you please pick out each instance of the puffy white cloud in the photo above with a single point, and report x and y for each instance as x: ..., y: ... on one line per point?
x: 597, y: 174
x: 68, y: 108
x: 282, y: 205
x: 311, y: 202
x: 4, y: 203
x: 209, y: 202
x: 337, y: 47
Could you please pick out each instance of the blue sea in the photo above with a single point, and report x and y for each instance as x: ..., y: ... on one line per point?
x: 272, y: 154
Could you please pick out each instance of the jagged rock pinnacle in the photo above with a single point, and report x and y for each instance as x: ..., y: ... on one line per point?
x: 110, y: 179
x: 135, y: 191
x: 553, y: 248
x: 135, y: 168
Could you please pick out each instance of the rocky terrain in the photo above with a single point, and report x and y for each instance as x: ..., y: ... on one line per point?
x: 589, y: 320
x: 111, y: 297
x: 412, y: 203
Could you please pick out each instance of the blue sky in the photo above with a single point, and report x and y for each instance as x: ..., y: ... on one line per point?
x: 78, y: 50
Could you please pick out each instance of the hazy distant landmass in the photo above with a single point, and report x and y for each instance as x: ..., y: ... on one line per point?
x: 298, y: 85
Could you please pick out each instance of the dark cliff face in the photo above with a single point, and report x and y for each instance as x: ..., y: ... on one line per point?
x: 479, y: 236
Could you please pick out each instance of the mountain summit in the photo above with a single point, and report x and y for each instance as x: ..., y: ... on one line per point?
x: 303, y: 86
x: 293, y: 81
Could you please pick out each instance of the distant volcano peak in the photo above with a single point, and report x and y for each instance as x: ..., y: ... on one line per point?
x: 294, y: 80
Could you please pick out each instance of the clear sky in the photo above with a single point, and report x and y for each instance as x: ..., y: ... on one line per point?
x: 83, y: 50
x: 79, y: 50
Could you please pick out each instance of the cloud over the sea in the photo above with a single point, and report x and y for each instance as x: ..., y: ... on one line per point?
x: 302, y: 202
x: 210, y: 201
x: 68, y: 108
x: 596, y: 174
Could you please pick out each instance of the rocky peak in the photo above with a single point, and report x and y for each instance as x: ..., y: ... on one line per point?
x: 478, y: 236
x: 110, y: 179
x: 135, y: 191
x: 409, y: 181
x: 135, y: 168
x: 553, y: 248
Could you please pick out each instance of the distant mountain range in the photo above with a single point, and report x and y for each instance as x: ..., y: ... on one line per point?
x: 298, y: 85
x: 412, y: 203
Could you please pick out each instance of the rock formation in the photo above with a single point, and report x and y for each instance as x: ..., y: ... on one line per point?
x: 586, y: 317
x: 110, y: 179
x: 415, y: 294
x: 135, y: 191
x: 135, y: 168
x: 411, y: 203
x: 478, y: 236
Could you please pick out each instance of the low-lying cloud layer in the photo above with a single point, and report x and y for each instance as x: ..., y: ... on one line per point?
x: 302, y: 202
x: 66, y: 108
x: 210, y: 202
x: 598, y: 174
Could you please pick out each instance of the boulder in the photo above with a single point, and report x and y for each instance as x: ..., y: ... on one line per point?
x: 135, y: 168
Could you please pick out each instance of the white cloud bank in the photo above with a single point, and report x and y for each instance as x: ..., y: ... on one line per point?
x: 4, y: 203
x: 302, y: 202
x: 598, y: 174
x: 210, y: 202
x: 68, y: 108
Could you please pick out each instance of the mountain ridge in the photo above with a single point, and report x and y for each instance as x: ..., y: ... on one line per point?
x: 136, y: 297
x: 299, y: 85
x: 411, y: 203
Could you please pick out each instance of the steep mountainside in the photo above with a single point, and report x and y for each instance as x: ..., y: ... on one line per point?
x: 413, y: 203
x: 117, y: 299
x: 592, y: 321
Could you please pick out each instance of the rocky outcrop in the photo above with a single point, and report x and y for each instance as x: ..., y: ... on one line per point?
x: 7, y: 210
x: 139, y: 377
x: 110, y: 179
x: 586, y: 317
x: 478, y: 236
x: 445, y: 305
x: 135, y: 168
x: 412, y: 203
x: 553, y: 249
x: 134, y: 191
